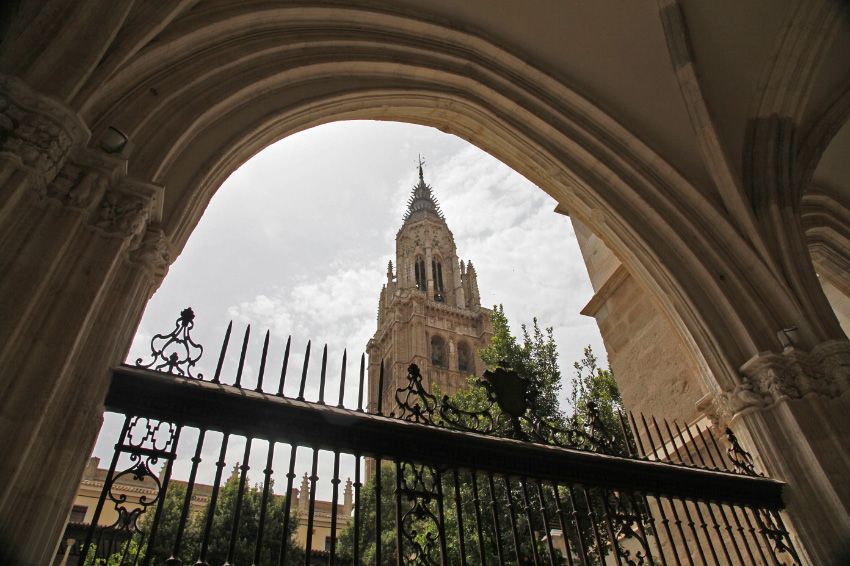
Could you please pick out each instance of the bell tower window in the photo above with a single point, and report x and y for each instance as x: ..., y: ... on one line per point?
x: 437, y: 270
x: 420, y: 274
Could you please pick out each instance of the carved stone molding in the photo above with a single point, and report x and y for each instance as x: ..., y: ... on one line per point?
x: 769, y: 378
x: 96, y: 185
x: 37, y: 131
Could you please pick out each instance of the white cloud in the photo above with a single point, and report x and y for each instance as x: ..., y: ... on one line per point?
x: 332, y: 310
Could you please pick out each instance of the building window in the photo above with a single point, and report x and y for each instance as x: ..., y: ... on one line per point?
x: 437, y: 270
x: 327, y: 544
x: 438, y: 352
x: 421, y: 279
x: 464, y: 358
x: 78, y: 514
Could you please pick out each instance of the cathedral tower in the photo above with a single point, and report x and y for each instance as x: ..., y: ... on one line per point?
x: 429, y: 311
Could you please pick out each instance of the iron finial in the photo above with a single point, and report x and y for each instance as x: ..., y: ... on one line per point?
x: 175, y: 349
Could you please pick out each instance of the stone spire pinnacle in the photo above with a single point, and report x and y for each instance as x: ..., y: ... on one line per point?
x: 422, y: 201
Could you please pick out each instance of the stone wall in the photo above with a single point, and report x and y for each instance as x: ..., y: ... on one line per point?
x: 655, y: 374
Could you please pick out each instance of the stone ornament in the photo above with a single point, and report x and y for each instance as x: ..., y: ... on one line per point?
x: 78, y: 188
x: 122, y: 214
x: 153, y: 250
x: 37, y: 130
x: 770, y: 378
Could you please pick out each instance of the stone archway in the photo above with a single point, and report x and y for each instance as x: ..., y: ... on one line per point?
x: 88, y: 235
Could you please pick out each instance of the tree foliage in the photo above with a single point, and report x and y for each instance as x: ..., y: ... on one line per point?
x: 596, y: 384
x: 368, y: 527
x: 534, y: 358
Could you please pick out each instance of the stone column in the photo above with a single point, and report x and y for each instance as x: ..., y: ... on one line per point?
x: 80, y: 255
x: 791, y: 411
x: 793, y: 405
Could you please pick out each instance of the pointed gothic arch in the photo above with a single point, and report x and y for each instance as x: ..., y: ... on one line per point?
x: 199, y: 88
x: 439, y: 352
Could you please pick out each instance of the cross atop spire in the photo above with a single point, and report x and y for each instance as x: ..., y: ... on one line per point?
x: 422, y: 201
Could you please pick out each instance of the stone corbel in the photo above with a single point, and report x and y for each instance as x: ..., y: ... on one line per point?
x: 37, y: 132
x: 770, y: 378
x: 153, y: 252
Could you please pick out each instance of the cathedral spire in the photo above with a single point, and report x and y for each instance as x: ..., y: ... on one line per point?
x: 422, y: 201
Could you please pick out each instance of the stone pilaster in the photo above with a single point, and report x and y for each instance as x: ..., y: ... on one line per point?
x: 790, y: 411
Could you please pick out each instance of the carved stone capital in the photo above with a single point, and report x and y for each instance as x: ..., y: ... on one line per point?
x: 37, y: 131
x: 84, y: 179
x: 125, y: 209
x: 834, y: 358
x: 770, y: 377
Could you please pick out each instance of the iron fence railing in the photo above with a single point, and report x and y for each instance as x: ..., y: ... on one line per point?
x: 487, y: 484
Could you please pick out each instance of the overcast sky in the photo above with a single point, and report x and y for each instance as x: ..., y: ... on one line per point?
x: 298, y: 239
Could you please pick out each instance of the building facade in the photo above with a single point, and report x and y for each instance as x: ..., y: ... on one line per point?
x: 429, y: 311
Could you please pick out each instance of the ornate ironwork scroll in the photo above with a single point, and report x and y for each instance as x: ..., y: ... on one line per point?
x: 509, y: 408
x: 176, y: 349
x: 147, y: 442
x: 774, y: 530
x: 421, y: 540
x: 627, y: 519
x: 415, y: 404
x: 741, y: 459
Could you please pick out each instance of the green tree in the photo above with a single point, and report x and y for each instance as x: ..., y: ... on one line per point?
x: 248, y: 528
x: 534, y: 358
x: 597, y: 386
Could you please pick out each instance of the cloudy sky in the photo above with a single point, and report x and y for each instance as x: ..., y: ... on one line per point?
x: 297, y: 242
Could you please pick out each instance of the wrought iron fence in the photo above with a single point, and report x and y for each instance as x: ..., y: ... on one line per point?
x: 492, y: 483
